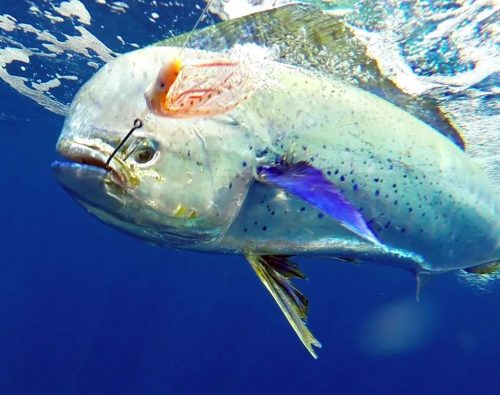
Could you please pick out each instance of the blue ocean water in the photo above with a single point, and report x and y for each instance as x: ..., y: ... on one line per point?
x: 85, y: 309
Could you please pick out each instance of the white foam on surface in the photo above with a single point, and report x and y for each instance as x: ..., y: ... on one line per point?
x: 82, y: 42
x: 457, y: 93
x: 47, y: 85
x: 74, y: 8
x: 7, y: 23
x: 9, y: 55
x: 119, y: 6
x: 230, y: 9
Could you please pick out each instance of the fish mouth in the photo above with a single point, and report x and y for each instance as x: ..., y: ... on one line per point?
x: 95, y: 154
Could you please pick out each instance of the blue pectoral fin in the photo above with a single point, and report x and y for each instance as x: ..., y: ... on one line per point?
x: 311, y: 185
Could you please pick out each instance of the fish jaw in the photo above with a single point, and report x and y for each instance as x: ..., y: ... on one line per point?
x: 105, y: 193
x: 101, y: 188
x: 95, y: 153
x: 87, y: 184
x: 95, y: 190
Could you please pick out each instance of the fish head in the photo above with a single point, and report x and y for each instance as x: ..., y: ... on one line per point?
x: 175, y: 182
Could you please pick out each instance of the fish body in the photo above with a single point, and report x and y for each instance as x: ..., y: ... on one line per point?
x: 421, y: 194
x: 259, y: 178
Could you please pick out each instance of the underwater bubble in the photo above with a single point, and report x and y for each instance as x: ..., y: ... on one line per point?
x: 397, y: 328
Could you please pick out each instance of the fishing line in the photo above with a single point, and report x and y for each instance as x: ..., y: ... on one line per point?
x: 203, y: 13
x: 137, y: 125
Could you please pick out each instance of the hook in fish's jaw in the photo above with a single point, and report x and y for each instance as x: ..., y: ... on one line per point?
x: 118, y: 193
x: 120, y: 169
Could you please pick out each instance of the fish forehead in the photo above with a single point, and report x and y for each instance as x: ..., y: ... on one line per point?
x: 119, y: 88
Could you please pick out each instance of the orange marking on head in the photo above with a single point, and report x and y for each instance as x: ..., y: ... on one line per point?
x: 201, y: 89
x: 156, y: 96
x: 168, y: 74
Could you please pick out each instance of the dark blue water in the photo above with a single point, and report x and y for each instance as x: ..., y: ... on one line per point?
x: 85, y: 309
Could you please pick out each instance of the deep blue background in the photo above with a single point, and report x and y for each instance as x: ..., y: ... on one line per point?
x: 85, y: 309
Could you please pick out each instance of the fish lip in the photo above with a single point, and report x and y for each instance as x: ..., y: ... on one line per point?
x: 92, y: 153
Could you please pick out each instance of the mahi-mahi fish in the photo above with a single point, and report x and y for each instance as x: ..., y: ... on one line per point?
x: 305, y: 164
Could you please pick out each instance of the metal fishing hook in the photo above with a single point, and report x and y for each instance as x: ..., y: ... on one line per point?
x: 137, y: 125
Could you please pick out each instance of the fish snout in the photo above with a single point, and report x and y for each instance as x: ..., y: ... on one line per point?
x: 95, y: 154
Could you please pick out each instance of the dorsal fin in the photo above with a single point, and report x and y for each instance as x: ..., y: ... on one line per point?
x: 307, y: 37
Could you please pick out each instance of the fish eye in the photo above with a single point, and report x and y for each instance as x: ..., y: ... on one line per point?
x: 145, y: 153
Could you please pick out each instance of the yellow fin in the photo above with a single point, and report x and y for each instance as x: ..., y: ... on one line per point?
x: 275, y: 272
